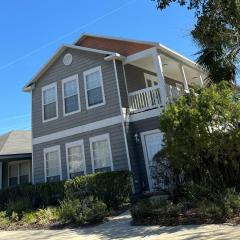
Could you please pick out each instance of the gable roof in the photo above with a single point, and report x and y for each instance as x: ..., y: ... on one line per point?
x: 16, y: 142
x: 55, y: 56
x: 110, y: 45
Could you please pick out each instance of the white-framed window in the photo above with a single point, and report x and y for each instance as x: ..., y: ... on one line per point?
x: 94, y: 91
x: 101, y: 154
x: 71, y: 97
x: 18, y: 173
x: 52, y: 164
x: 49, y: 102
x: 76, y: 165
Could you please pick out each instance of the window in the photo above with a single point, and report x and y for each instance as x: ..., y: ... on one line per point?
x: 101, y: 153
x: 71, y: 100
x: 94, y: 87
x: 52, y: 164
x: 18, y: 173
x: 49, y: 102
x: 75, y: 159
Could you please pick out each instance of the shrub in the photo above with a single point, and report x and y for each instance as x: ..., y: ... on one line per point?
x: 4, y: 220
x: 18, y: 205
x: 86, y: 210
x: 39, y: 195
x: 41, y: 216
x: 113, y: 188
x: 156, y: 212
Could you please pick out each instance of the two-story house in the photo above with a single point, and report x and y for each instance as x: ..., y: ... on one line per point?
x: 96, y: 107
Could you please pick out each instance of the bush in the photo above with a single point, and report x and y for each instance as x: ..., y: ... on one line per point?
x: 41, y: 216
x: 39, y: 195
x: 113, y: 188
x: 86, y: 210
x: 4, y: 220
x: 156, y: 212
x: 18, y: 206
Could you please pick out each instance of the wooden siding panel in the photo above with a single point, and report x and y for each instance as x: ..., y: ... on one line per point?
x: 124, y: 48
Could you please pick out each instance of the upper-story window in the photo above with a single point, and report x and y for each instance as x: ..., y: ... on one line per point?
x: 101, y: 154
x: 49, y: 102
x: 94, y: 91
x: 70, y: 92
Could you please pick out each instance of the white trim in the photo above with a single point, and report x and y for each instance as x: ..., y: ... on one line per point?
x: 101, y: 138
x: 139, y: 55
x: 145, y: 115
x: 75, y: 144
x: 18, y: 164
x: 68, y: 79
x: 52, y: 85
x: 77, y: 130
x: 143, y: 134
x: 87, y: 72
x: 121, y: 110
x: 48, y: 150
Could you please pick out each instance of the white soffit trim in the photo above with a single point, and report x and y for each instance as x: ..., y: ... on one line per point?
x: 55, y: 57
x: 145, y: 115
x: 77, y: 130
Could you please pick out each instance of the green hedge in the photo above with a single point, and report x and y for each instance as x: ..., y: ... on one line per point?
x: 39, y: 195
x: 113, y: 188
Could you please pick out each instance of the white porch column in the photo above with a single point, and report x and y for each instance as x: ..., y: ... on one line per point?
x: 201, y: 80
x: 159, y: 69
x: 0, y: 175
x: 184, y: 78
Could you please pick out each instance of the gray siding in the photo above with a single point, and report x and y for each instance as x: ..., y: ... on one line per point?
x: 122, y: 84
x: 136, y: 81
x: 82, y: 61
x: 136, y: 150
x: 117, y: 146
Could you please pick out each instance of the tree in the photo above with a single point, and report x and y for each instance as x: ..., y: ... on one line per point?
x: 202, y: 135
x: 217, y: 33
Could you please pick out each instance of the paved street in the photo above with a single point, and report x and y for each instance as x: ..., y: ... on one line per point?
x: 120, y: 228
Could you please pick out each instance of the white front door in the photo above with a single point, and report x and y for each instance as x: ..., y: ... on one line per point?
x: 152, y: 144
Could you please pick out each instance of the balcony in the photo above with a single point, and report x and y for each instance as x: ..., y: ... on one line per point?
x: 150, y: 98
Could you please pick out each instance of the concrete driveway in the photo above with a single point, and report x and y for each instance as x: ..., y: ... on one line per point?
x: 120, y: 228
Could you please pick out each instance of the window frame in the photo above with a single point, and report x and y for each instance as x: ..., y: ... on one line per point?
x: 18, y: 176
x: 66, y: 80
x: 87, y: 72
x: 75, y: 144
x: 48, y: 150
x: 101, y: 138
x: 52, y: 85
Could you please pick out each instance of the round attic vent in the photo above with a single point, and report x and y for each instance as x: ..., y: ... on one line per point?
x: 67, y: 59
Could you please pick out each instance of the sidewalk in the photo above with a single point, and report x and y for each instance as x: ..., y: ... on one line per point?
x: 120, y: 228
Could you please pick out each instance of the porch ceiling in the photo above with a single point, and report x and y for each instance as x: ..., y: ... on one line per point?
x: 170, y: 69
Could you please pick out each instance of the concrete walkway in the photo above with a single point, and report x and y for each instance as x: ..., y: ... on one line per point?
x: 120, y: 228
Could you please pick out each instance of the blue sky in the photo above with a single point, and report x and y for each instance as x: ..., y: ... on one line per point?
x: 31, y: 31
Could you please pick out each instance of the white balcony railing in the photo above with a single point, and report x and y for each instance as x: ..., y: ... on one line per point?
x: 149, y: 98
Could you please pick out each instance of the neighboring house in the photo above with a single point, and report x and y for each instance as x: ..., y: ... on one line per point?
x: 96, y: 107
x: 15, y: 158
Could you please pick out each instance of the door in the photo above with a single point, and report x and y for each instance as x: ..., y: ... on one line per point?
x: 152, y: 144
x: 150, y: 80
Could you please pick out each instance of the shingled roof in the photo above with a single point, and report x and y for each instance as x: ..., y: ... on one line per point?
x: 15, y: 142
